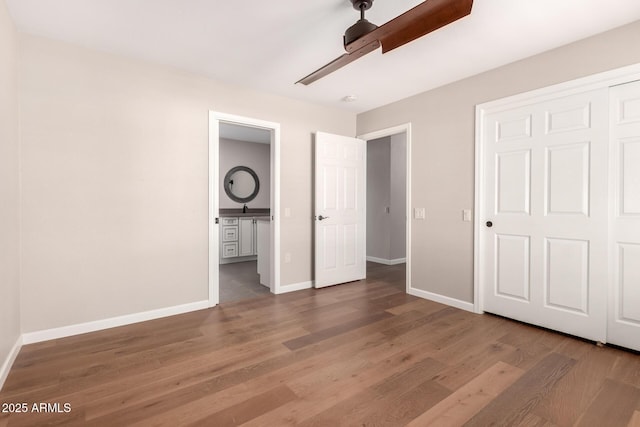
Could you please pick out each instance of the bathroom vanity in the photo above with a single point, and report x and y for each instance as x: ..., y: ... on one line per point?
x: 245, y: 236
x: 238, y: 234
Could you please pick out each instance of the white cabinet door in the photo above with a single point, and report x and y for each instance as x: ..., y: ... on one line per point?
x: 245, y: 238
x: 340, y: 204
x: 624, y: 295
x: 545, y: 216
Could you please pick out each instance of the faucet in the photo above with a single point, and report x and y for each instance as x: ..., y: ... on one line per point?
x: 244, y: 208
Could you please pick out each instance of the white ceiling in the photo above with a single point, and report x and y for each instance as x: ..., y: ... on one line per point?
x: 269, y: 45
x: 244, y: 133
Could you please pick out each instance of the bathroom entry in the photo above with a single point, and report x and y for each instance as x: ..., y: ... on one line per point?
x: 244, y: 199
x: 243, y: 191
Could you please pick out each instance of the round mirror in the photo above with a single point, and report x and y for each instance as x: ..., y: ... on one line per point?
x: 241, y: 184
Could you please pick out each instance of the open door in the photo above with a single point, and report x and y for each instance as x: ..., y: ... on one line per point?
x: 340, y: 209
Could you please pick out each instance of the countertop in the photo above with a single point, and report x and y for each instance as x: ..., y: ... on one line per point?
x: 251, y: 213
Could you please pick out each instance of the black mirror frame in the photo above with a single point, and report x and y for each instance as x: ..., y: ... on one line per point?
x: 227, y: 181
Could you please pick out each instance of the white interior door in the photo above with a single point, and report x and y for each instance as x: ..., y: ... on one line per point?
x: 545, y: 216
x: 340, y: 209
x: 624, y: 296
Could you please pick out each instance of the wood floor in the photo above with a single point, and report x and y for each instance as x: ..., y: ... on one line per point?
x: 360, y: 354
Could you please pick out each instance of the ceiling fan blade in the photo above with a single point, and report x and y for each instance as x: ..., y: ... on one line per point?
x: 426, y: 17
x: 339, y: 62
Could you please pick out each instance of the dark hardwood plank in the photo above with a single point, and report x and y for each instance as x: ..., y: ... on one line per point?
x: 469, y: 399
x: 532, y: 420
x: 614, y: 405
x: 575, y: 391
x: 245, y: 411
x: 321, y: 389
x: 382, y: 398
x: 325, y: 334
x: 513, y: 405
x: 475, y: 363
x: 531, y: 345
x: 626, y: 368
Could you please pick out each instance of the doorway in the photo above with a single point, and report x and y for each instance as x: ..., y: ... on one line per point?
x: 245, y: 186
x: 389, y: 203
x: 243, y: 208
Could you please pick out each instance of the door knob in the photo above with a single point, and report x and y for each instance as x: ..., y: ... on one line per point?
x: 489, y: 224
x: 322, y: 217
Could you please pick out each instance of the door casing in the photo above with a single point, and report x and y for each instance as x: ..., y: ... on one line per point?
x: 215, y: 118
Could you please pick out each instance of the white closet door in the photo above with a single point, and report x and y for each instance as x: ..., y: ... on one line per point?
x: 624, y: 309
x: 544, y: 257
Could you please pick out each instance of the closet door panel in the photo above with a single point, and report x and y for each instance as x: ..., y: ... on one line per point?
x: 545, y: 220
x: 623, y: 326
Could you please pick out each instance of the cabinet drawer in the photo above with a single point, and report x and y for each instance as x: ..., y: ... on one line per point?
x: 229, y: 234
x: 229, y: 250
x: 229, y: 221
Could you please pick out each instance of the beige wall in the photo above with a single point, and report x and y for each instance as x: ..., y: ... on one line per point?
x: 443, y: 148
x: 9, y: 222
x: 114, y: 181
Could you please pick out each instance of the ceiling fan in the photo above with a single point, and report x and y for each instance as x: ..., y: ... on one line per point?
x: 364, y: 37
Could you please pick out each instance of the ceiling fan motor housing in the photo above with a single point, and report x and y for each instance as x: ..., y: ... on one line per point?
x: 361, y: 27
x: 358, y: 30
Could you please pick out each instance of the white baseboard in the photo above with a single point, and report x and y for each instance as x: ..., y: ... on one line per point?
x: 8, y: 362
x: 462, y: 305
x: 295, y: 287
x: 386, y: 261
x: 97, y: 325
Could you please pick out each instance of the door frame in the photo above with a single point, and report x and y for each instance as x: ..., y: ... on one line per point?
x: 215, y: 118
x: 595, y: 81
x: 406, y: 129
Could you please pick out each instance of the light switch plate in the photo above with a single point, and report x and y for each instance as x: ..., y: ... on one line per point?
x: 466, y: 215
x: 418, y: 213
